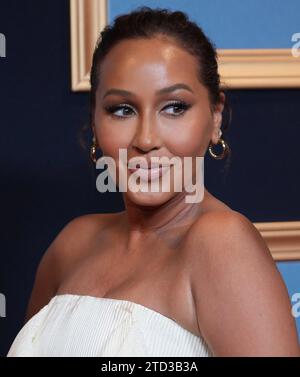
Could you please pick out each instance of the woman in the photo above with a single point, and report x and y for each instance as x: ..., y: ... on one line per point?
x: 164, y: 277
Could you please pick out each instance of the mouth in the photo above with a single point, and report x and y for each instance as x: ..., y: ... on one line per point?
x: 147, y: 174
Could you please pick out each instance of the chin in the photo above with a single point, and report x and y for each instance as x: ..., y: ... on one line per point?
x: 149, y: 199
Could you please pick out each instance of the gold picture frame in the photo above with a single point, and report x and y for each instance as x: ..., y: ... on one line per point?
x: 88, y: 18
x: 240, y: 68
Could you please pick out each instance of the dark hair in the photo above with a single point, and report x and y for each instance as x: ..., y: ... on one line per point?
x: 145, y: 22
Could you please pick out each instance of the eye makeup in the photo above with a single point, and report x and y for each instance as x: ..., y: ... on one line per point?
x: 178, y: 104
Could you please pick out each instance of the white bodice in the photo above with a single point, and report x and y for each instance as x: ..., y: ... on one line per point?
x: 76, y: 325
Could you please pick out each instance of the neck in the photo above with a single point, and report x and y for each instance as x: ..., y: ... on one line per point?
x: 146, y: 220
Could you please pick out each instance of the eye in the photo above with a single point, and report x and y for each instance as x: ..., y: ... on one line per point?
x: 120, y: 111
x: 177, y: 108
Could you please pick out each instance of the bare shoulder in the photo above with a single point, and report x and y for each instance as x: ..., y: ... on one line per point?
x: 77, y: 233
x: 67, y: 246
x: 242, y: 304
x: 220, y: 229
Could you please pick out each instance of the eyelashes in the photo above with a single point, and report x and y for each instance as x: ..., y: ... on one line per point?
x: 113, y: 109
x: 122, y: 111
x: 183, y: 106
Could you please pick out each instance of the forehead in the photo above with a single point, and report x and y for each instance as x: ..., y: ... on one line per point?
x: 153, y: 62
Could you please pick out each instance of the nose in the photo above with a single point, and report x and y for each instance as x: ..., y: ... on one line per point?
x: 147, y: 135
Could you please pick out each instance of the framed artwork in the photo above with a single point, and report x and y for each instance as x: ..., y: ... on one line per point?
x: 239, y: 69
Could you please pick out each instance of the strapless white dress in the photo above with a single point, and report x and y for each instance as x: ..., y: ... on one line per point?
x: 76, y: 325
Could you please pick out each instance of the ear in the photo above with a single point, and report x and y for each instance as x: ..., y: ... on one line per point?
x: 217, y: 118
x: 92, y: 122
x: 94, y: 132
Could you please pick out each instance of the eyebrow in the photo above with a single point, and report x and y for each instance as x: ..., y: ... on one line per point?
x: 168, y: 89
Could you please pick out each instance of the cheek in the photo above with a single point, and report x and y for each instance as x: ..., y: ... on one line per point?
x: 112, y: 137
x: 189, y: 138
x: 112, y: 134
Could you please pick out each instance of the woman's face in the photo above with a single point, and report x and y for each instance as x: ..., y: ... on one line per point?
x: 150, y: 102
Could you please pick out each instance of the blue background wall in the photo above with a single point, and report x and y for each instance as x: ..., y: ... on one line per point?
x: 46, y: 176
x: 233, y: 23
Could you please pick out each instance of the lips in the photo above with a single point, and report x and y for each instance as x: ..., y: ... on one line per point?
x: 146, y: 165
x: 147, y: 174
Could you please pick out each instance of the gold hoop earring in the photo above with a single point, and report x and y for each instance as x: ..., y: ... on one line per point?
x: 93, y: 150
x: 224, y: 152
